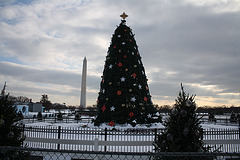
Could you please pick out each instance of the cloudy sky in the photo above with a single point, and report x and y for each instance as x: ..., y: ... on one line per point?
x: 194, y: 42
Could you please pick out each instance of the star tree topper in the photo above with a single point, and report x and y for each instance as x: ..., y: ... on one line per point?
x: 124, y: 15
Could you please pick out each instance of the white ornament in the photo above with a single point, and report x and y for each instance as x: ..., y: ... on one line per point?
x: 112, y: 108
x: 134, y: 84
x: 119, y: 35
x: 123, y: 43
x: 110, y: 66
x: 134, y: 121
x: 132, y: 53
x: 133, y: 99
x: 139, y: 86
x: 143, y: 72
x: 149, y: 115
x: 123, y: 79
x: 157, y: 114
x: 103, y: 91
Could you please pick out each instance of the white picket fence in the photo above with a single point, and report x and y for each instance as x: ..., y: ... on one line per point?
x: 87, y: 139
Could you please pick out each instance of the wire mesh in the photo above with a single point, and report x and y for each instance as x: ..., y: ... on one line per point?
x: 22, y: 153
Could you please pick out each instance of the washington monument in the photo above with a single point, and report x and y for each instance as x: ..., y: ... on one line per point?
x: 84, y: 84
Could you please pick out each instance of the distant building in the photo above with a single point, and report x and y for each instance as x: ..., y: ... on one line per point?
x: 25, y: 108
x: 22, y: 108
x: 35, y: 107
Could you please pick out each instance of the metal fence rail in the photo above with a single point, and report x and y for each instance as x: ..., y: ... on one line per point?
x: 52, y: 154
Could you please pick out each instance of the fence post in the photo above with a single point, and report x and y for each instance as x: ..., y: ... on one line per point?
x: 239, y: 127
x: 59, y: 135
x: 155, y: 134
x: 96, y: 144
x: 105, y: 147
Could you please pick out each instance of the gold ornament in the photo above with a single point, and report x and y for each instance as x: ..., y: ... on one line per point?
x: 123, y: 105
x: 119, y: 51
x: 110, y: 83
x: 130, y: 90
x: 135, y: 66
x: 126, y: 69
x: 106, y: 99
x: 124, y: 15
x: 143, y: 108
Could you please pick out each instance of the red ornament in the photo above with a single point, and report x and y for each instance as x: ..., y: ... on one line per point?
x: 130, y: 40
x: 146, y: 87
x: 120, y: 64
x: 114, y: 46
x: 111, y: 123
x: 125, y: 30
x: 137, y: 53
x: 131, y: 114
x: 119, y: 93
x: 125, y: 56
x: 145, y: 99
x: 97, y: 101
x: 102, y: 80
x: 134, y: 75
x: 103, y: 108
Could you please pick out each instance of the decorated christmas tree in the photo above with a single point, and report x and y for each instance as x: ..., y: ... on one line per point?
x: 10, y: 132
x: 124, y: 93
x: 183, y: 132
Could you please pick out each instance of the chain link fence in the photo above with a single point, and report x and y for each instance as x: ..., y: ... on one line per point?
x: 21, y: 153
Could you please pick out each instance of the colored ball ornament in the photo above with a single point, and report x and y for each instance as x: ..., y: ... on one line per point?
x: 103, y: 108
x: 119, y: 93
x: 110, y: 83
x: 123, y: 105
x: 145, y: 99
x: 120, y: 64
x: 130, y: 90
x: 131, y: 114
x: 111, y: 123
x: 134, y: 75
x: 126, y: 69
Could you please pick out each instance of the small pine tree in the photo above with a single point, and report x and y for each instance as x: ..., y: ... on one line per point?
x: 11, y: 134
x: 183, y: 132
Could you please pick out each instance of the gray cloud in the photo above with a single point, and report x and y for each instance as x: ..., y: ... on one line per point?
x: 190, y: 42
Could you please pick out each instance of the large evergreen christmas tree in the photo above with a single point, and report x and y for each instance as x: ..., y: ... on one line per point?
x: 183, y: 132
x: 124, y: 93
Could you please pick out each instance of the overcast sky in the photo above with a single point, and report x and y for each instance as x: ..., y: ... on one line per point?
x: 194, y: 42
